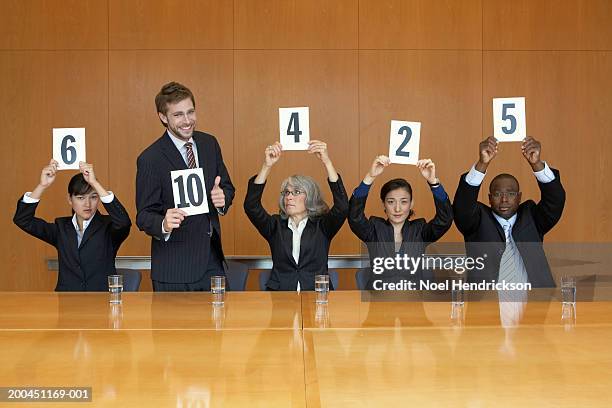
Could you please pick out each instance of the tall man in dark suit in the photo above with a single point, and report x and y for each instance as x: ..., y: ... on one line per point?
x: 185, y: 251
x: 509, y: 232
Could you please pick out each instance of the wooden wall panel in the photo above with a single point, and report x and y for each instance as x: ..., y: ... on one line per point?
x: 135, y: 79
x: 326, y: 81
x: 170, y: 24
x: 440, y: 89
x: 296, y: 24
x: 54, y: 24
x: 420, y: 24
x: 43, y: 90
x: 568, y: 105
x: 547, y: 25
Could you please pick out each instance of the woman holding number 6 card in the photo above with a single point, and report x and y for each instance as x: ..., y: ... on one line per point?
x: 300, y: 235
x: 398, y: 234
x: 86, y: 242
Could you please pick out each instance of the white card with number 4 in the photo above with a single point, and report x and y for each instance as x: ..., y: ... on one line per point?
x: 294, y: 126
x: 509, y: 124
x: 404, y: 141
x: 69, y: 147
x: 189, y: 191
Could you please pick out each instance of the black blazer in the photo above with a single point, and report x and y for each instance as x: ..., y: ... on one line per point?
x: 83, y: 268
x: 377, y: 234
x: 184, y: 257
x: 314, y: 244
x: 476, y: 222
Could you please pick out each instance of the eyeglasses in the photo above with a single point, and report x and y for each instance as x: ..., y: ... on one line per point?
x: 505, y: 194
x: 294, y: 193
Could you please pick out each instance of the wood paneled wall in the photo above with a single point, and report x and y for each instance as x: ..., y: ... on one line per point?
x: 356, y: 63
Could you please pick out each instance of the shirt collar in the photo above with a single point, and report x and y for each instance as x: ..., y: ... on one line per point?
x: 179, y: 143
x: 299, y: 227
x: 509, y: 223
x: 86, y: 223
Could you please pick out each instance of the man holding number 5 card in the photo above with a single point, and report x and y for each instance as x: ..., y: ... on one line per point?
x: 185, y: 250
x: 509, y: 233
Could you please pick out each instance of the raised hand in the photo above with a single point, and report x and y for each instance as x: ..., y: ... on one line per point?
x: 47, y: 176
x: 88, y: 173
x: 272, y: 154
x: 531, y: 150
x: 487, y: 150
x: 378, y: 166
x: 319, y: 149
x: 428, y: 170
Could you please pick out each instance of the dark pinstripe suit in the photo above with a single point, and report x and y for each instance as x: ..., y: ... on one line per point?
x: 184, y: 257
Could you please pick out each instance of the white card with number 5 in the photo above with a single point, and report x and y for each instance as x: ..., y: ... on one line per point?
x: 509, y: 124
x: 69, y: 147
x: 404, y: 141
x: 189, y: 191
x: 294, y: 128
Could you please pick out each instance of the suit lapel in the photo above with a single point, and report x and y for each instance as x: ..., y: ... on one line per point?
x: 203, y: 163
x: 72, y: 238
x: 287, y: 240
x: 500, y: 230
x: 172, y: 154
x: 306, y: 237
x: 95, y: 224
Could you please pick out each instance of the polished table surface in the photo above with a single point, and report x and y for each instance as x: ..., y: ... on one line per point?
x: 281, y: 349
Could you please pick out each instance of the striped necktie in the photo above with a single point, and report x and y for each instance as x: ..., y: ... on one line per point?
x: 190, y: 157
x: 511, y: 268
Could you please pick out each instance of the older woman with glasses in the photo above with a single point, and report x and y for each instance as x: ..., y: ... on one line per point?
x: 300, y: 234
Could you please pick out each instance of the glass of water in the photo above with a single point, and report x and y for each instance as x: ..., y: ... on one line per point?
x: 115, y: 287
x: 456, y: 287
x: 568, y: 289
x: 217, y: 288
x: 322, y: 288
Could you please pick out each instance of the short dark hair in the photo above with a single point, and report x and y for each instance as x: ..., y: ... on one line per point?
x: 172, y: 92
x: 504, y: 176
x: 394, y: 185
x: 78, y: 185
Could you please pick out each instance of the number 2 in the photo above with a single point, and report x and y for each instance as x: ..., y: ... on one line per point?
x: 407, y: 136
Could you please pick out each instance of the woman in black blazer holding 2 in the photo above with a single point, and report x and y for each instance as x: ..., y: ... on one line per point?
x: 87, y: 242
x: 300, y: 235
x: 398, y: 234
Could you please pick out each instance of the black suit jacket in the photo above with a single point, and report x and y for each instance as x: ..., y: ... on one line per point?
x: 314, y: 244
x: 378, y: 235
x: 483, y: 234
x: 86, y: 267
x: 184, y: 257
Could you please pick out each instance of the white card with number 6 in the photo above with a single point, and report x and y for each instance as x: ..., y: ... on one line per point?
x: 69, y: 147
x: 509, y: 124
x: 189, y: 191
x: 294, y: 128
x: 404, y: 141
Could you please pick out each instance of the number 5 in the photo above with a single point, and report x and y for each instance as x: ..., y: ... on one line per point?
x: 511, y: 118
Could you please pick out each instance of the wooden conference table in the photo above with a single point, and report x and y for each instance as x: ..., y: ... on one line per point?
x: 267, y: 349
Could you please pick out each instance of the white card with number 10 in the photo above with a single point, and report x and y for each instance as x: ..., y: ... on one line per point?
x: 69, y: 147
x: 404, y: 141
x: 294, y: 128
x: 189, y: 191
x: 509, y: 119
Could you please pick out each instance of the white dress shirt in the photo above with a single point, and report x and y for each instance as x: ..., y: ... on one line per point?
x: 297, y: 240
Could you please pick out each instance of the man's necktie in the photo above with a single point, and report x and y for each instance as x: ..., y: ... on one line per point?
x: 190, y: 157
